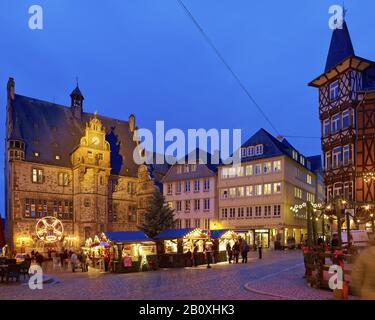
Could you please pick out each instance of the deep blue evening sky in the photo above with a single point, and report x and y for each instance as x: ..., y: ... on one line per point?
x: 146, y: 57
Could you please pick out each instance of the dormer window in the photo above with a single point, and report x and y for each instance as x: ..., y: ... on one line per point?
x: 250, y: 151
x: 295, y: 155
x: 334, y: 90
x: 243, y: 152
x: 258, y: 149
x: 302, y: 160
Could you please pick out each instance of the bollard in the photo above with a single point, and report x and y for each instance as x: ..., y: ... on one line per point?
x: 260, y: 252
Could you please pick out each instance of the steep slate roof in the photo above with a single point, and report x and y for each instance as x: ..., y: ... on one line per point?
x: 157, y: 171
x: 272, y: 147
x: 51, y: 130
x: 202, y: 170
x: 341, y: 47
x: 316, y: 162
x: 341, y: 53
x: 128, y: 236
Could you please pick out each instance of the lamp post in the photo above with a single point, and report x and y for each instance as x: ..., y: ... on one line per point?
x: 323, y: 226
x: 347, y: 219
x: 339, y: 217
x: 313, y: 223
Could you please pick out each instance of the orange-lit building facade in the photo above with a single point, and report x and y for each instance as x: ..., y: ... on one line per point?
x: 75, y: 166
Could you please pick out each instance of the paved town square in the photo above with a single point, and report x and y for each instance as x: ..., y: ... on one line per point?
x: 277, y: 276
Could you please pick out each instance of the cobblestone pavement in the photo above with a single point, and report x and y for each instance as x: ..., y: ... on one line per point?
x: 277, y: 276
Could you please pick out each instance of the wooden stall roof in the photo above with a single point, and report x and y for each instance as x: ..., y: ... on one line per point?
x: 128, y: 237
x: 223, y: 234
x: 190, y: 233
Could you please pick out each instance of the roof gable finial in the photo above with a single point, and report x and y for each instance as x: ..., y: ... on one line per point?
x: 341, y: 46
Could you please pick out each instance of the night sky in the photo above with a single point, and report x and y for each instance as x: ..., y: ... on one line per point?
x: 146, y: 57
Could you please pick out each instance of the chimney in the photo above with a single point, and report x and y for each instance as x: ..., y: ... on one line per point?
x: 132, y: 123
x: 10, y: 89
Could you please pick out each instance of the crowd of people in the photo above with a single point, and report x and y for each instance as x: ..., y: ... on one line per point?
x: 62, y: 259
x: 240, y: 247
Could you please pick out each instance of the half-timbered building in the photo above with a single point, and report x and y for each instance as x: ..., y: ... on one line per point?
x: 347, y: 115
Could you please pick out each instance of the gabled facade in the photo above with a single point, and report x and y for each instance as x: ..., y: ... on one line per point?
x: 255, y: 197
x: 72, y: 165
x: 347, y: 115
x: 190, y: 189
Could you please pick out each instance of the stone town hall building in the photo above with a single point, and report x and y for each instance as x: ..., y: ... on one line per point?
x: 76, y: 166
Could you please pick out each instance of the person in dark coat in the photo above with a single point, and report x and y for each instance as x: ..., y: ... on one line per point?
x: 39, y: 259
x: 244, y: 248
x: 335, y: 241
x: 236, y: 251
x: 229, y: 253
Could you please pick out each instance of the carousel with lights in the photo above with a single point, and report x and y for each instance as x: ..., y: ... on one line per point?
x: 49, y: 234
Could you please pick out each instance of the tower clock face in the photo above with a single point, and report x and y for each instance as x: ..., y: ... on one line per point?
x: 95, y: 140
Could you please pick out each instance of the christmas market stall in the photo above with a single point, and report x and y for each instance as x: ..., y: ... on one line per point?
x: 99, y: 251
x: 221, y: 238
x: 132, y: 251
x: 181, y: 247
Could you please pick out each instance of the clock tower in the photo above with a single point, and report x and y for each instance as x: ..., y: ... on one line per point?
x: 91, y: 170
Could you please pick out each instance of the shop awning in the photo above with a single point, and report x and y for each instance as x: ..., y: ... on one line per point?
x: 128, y: 236
x: 191, y: 233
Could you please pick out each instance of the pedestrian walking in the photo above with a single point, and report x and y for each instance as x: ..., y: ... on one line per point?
x: 73, y: 261
x: 244, y: 251
x: 208, y: 252
x: 84, y: 262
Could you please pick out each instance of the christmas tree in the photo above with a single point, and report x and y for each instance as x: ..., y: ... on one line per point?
x: 158, y: 217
